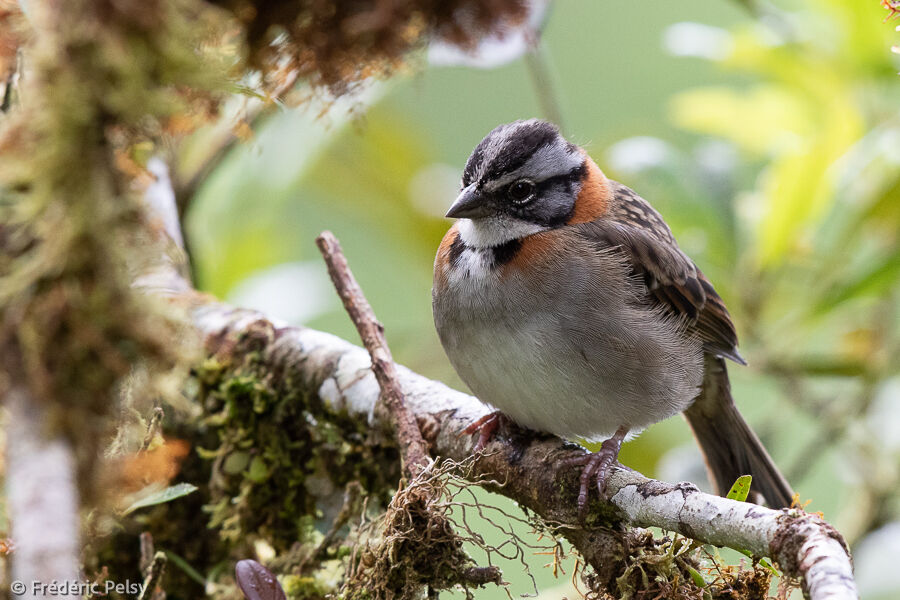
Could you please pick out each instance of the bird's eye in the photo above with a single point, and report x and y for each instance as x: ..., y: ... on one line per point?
x: 520, y: 191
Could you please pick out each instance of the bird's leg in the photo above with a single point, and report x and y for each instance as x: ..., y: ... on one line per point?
x: 486, y: 426
x: 608, y: 455
x: 597, y: 466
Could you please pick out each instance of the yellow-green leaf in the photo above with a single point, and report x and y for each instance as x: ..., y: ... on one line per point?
x: 741, y: 488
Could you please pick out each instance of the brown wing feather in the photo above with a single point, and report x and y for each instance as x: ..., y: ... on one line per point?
x: 671, y: 278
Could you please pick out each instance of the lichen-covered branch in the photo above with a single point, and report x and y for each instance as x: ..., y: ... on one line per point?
x: 525, y: 466
x: 71, y: 327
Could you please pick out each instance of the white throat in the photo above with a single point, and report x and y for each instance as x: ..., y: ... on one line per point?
x: 489, y: 232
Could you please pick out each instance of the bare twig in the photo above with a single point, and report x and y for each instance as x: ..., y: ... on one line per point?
x: 545, y: 88
x: 478, y: 576
x: 153, y: 574
x: 413, y: 450
x: 147, y: 551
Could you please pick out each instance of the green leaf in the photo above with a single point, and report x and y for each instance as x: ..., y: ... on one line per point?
x: 763, y: 561
x: 805, y: 118
x: 258, y: 471
x: 236, y: 462
x: 184, y: 566
x: 741, y: 488
x: 758, y: 120
x: 166, y: 495
x: 875, y: 280
x: 697, y: 577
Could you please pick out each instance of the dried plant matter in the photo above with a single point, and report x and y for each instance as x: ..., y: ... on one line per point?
x: 415, y: 543
x: 338, y: 43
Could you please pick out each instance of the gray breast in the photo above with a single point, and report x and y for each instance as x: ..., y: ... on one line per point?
x: 567, y: 349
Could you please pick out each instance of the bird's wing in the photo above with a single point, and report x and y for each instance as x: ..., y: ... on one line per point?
x: 672, y: 280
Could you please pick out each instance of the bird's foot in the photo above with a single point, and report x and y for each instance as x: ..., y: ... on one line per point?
x: 486, y: 426
x: 596, y: 467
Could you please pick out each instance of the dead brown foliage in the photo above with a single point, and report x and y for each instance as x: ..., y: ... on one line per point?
x: 338, y: 43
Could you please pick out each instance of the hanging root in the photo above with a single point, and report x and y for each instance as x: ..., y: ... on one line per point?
x: 419, y: 541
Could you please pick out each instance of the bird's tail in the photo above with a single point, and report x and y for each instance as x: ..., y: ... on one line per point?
x: 730, y: 447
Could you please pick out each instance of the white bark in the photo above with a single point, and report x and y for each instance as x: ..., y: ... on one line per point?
x: 803, y: 544
x: 42, y: 498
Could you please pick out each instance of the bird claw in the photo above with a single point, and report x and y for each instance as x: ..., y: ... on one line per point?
x: 486, y: 426
x: 597, y: 467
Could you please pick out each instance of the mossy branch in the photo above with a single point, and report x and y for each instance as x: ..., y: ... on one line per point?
x: 526, y: 466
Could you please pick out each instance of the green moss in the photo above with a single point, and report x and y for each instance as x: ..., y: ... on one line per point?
x: 100, y: 77
x: 272, y: 439
x: 303, y: 588
x: 269, y: 462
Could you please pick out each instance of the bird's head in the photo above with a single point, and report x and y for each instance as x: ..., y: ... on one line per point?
x: 523, y: 178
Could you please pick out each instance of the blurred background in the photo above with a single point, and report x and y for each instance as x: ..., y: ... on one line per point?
x: 768, y: 136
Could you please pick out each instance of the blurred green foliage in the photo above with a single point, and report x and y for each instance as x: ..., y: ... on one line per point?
x: 771, y: 144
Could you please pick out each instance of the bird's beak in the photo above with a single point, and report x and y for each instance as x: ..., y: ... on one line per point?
x: 468, y: 205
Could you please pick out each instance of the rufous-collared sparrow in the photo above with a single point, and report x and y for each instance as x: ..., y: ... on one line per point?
x: 562, y: 299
